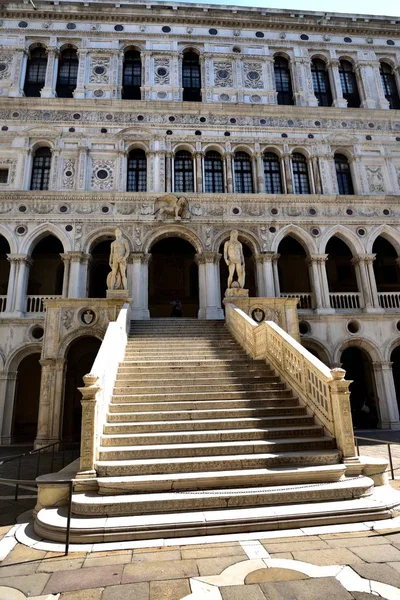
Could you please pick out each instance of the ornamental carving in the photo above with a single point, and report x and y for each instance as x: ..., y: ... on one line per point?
x: 68, y: 176
x: 375, y: 178
x: 12, y: 167
x: 99, y: 71
x: 253, y: 75
x: 171, y: 206
x: 102, y: 177
x: 5, y: 66
x: 161, y: 71
x: 223, y: 76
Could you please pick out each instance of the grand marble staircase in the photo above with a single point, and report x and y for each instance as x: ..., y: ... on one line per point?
x: 199, y: 439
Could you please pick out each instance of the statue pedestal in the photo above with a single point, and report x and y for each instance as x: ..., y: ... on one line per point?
x: 120, y: 294
x: 236, y: 293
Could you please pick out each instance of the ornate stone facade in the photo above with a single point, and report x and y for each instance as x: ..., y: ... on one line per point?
x: 92, y: 134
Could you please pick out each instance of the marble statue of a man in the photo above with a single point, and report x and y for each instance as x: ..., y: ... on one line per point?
x: 233, y: 256
x: 119, y: 253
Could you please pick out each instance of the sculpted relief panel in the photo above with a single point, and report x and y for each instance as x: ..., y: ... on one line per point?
x: 375, y: 179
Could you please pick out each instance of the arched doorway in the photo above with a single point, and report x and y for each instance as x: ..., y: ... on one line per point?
x: 342, y: 279
x: 4, y: 272
x: 26, y: 399
x: 173, y: 274
x: 363, y: 398
x: 47, y: 271
x: 293, y: 270
x: 249, y: 264
x: 80, y: 358
x: 99, y: 269
x: 395, y: 359
x: 386, y: 270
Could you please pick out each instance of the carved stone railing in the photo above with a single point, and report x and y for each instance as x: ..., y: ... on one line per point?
x: 324, y: 391
x: 305, y: 299
x: 345, y: 300
x: 389, y: 300
x: 3, y: 303
x: 35, y: 304
x: 98, y: 390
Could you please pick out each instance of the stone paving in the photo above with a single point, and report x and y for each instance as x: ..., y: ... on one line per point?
x: 345, y: 562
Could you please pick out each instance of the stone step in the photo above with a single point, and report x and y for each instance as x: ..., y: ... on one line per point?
x: 167, y: 356
x: 191, y: 396
x: 215, y: 463
x: 152, y: 374
x: 179, y: 415
x: 167, y: 387
x: 175, y: 502
x: 222, y: 448
x: 215, y: 362
x: 172, y: 406
x: 126, y: 423
x: 229, y: 435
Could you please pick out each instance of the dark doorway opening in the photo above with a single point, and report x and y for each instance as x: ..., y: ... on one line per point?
x: 99, y: 269
x: 395, y: 359
x: 339, y: 268
x: 47, y: 271
x: 173, y: 275
x: 292, y: 267
x: 80, y: 358
x: 26, y: 403
x: 4, y: 266
x: 363, y: 398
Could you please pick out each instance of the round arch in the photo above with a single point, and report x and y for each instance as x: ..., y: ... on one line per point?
x: 243, y: 235
x: 167, y: 231
x: 182, y: 146
x: 71, y: 338
x: 347, y: 152
x: 301, y: 150
x: 187, y: 49
x: 136, y: 145
x: 317, y: 349
x: 320, y: 56
x: 366, y: 345
x: 212, y: 147
x: 101, y: 235
x: 242, y: 148
x: 272, y: 149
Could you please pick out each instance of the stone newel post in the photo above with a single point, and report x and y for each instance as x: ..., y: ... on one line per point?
x: 88, y: 437
x: 340, y: 397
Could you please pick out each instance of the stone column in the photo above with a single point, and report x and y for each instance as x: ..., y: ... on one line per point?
x: 369, y: 262
x: 386, y: 392
x: 77, y: 287
x: 139, y: 289
x: 366, y: 84
x: 283, y: 174
x: 151, y: 165
x: 266, y: 278
x: 323, y: 279
x: 362, y: 282
x: 275, y: 259
x: 66, y: 258
x: 314, y: 272
x: 270, y: 80
x: 54, y: 170
x: 8, y: 382
x: 20, y: 60
x: 260, y: 173
x: 336, y: 86
x: 316, y: 175
x: 46, y: 404
x: 209, y: 286
x: 361, y: 265
x: 49, y: 89
x: 57, y: 406
x: 199, y: 172
x: 304, y: 90
x: 11, y: 287
x: 168, y: 172
x: 80, y: 83
x: 288, y: 173
x: 254, y: 173
x: 381, y: 99
x: 229, y: 171
x: 146, y: 258
x: 24, y: 264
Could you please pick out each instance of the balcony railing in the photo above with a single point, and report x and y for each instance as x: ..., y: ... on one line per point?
x: 345, y: 300
x: 389, y: 300
x: 306, y: 299
x: 3, y: 302
x: 34, y: 304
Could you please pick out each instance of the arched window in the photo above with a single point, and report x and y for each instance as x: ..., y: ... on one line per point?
x: 301, y: 181
x: 35, y: 72
x: 343, y: 174
x: 41, y: 169
x: 389, y: 85
x: 67, y: 73
x: 213, y: 173
x: 348, y: 82
x: 243, y: 174
x: 137, y: 171
x: 191, y: 77
x: 183, y: 172
x: 322, y: 86
x: 283, y: 82
x: 272, y: 174
x: 131, y: 76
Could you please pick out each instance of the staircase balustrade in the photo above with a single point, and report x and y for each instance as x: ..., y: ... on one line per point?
x: 390, y: 300
x: 98, y: 390
x: 35, y: 304
x: 324, y: 391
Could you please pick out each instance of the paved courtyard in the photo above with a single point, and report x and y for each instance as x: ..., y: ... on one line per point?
x: 356, y: 561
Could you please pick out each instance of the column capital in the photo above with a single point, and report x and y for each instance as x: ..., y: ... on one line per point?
x: 20, y: 258
x: 48, y: 362
x: 363, y: 258
x: 382, y: 366
x: 317, y: 258
x: 268, y: 256
x: 78, y: 257
x: 207, y: 257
